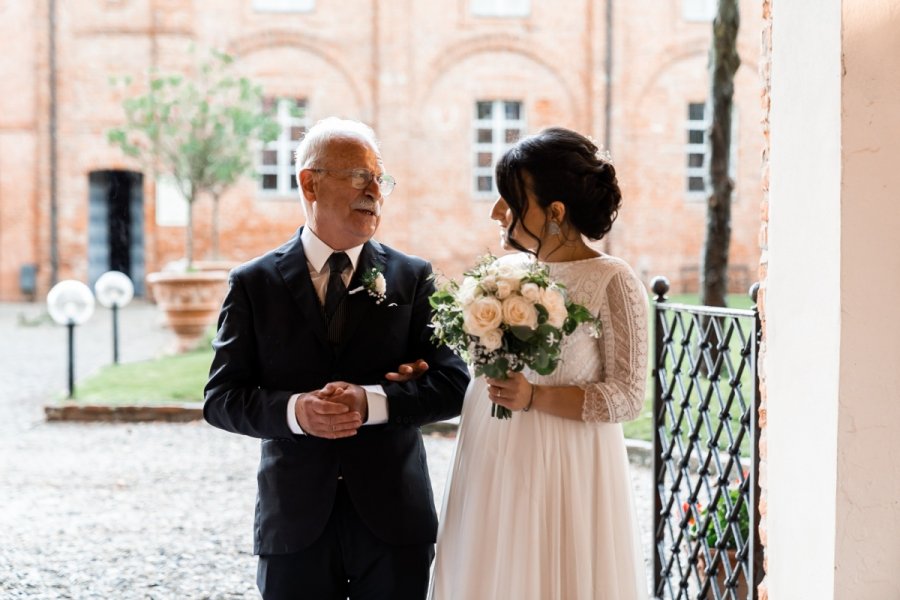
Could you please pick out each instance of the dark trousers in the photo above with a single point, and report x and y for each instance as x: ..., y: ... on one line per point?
x: 347, y: 561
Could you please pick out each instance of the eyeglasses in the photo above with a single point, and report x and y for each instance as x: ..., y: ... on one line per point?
x: 361, y: 178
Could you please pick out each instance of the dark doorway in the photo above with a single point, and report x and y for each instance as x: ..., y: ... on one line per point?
x: 116, y: 226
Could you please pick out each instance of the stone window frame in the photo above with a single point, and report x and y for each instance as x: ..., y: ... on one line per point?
x: 284, y: 5
x: 696, y: 151
x: 698, y: 11
x: 487, y: 149
x: 275, y: 163
x: 500, y: 8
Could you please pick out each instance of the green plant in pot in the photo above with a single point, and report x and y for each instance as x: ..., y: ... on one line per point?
x: 718, y: 523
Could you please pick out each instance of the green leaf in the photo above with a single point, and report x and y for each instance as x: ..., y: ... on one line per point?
x: 495, y: 370
x: 523, y: 333
x: 541, y: 361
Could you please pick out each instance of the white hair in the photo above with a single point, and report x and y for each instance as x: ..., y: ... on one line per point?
x: 313, y: 144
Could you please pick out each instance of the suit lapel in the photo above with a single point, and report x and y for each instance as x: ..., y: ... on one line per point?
x: 361, y: 303
x: 291, y: 263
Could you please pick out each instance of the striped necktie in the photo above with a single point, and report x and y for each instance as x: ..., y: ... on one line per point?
x: 335, y: 307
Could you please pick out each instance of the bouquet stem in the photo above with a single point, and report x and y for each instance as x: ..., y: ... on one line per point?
x: 500, y: 412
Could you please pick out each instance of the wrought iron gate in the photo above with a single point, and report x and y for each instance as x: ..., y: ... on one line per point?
x: 706, y: 466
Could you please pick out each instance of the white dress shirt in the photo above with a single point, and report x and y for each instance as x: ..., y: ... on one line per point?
x: 317, y: 254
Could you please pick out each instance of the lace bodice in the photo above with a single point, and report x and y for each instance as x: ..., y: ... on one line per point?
x: 612, y: 370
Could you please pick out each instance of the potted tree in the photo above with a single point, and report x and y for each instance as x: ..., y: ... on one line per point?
x: 200, y: 132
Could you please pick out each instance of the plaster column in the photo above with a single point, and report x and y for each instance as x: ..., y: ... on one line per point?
x: 833, y: 358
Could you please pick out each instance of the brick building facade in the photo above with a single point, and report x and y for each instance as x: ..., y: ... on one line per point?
x: 444, y: 83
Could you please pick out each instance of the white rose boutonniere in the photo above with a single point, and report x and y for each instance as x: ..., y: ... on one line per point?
x: 374, y: 283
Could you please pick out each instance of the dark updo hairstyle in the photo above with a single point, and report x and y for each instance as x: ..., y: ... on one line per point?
x: 564, y: 166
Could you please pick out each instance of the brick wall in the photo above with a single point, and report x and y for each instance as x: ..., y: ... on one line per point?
x: 413, y: 70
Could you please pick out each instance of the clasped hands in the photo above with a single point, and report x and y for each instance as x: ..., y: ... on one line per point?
x: 339, y: 409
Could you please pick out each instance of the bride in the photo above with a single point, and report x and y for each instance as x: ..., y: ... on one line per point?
x: 539, y: 506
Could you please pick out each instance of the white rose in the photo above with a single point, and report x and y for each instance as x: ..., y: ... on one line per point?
x: 380, y: 285
x: 492, y: 339
x: 553, y: 300
x: 518, y: 311
x: 468, y: 291
x: 531, y: 292
x: 482, y: 315
x: 504, y: 289
x: 511, y: 274
x: 489, y: 283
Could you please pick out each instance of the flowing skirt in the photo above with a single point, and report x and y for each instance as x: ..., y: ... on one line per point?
x: 537, y: 507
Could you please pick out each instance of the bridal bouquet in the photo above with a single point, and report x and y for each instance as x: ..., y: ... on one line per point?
x: 505, y: 317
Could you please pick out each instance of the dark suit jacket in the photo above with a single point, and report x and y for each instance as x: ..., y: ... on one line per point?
x: 271, y: 343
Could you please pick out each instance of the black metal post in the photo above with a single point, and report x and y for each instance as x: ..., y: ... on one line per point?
x: 756, y: 564
x: 659, y: 286
x: 115, y: 324
x: 71, y: 327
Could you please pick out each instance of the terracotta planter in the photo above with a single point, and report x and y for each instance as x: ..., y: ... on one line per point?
x: 741, y: 589
x: 191, y: 302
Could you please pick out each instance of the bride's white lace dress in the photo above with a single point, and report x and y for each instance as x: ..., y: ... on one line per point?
x: 540, y: 507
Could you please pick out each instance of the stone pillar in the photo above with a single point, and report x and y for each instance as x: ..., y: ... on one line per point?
x: 832, y: 361
x: 765, y: 74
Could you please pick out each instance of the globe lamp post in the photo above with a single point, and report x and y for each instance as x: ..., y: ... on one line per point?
x: 70, y: 303
x: 114, y: 290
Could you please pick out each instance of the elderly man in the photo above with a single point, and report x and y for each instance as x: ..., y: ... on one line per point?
x: 308, y: 337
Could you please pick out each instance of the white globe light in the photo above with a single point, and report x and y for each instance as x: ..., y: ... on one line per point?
x: 70, y: 301
x: 114, y: 289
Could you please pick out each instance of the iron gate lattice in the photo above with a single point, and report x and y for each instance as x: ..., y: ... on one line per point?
x: 705, y: 464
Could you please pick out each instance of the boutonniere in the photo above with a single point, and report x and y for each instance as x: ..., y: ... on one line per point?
x: 374, y: 283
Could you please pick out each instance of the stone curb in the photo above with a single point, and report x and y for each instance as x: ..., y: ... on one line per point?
x: 104, y: 413
x: 169, y: 413
x: 639, y: 451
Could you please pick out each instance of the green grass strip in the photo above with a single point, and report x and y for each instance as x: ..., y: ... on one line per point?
x: 178, y: 378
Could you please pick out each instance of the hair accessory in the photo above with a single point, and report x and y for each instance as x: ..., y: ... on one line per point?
x: 553, y: 228
x: 604, y: 155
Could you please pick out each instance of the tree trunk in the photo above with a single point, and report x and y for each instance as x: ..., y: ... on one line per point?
x: 189, y: 234
x: 215, y: 227
x: 724, y: 61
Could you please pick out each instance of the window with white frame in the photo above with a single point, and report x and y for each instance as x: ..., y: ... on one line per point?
x: 498, y: 125
x: 284, y: 5
x: 697, y: 150
x: 500, y: 8
x: 276, y: 161
x: 698, y: 10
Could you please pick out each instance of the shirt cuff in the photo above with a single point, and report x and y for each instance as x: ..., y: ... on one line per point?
x: 292, y: 415
x: 377, y: 400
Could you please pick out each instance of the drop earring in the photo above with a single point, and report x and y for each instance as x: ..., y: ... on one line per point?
x: 553, y: 228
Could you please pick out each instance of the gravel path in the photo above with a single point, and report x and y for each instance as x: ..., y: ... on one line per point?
x: 160, y: 511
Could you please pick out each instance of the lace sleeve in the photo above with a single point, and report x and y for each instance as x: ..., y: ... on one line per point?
x: 623, y: 316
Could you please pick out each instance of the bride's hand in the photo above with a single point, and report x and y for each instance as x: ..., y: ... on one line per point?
x: 408, y: 371
x: 514, y: 393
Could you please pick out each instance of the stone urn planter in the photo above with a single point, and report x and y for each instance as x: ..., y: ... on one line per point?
x: 217, y: 264
x: 190, y: 300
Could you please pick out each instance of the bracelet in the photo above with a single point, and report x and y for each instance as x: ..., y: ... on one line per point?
x: 531, y: 400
